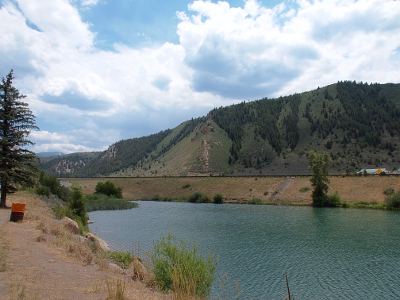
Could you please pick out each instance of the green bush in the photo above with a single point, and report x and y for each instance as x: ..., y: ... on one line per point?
x: 305, y: 189
x: 43, y: 191
x: 389, y: 191
x: 178, y: 266
x: 218, y: 199
x: 198, y: 197
x: 49, y: 184
x: 187, y: 185
x: 393, y: 201
x: 334, y: 200
x: 121, y: 258
x: 77, y: 205
x: 108, y: 188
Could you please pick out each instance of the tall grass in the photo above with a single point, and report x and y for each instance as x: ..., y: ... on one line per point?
x: 103, y: 202
x: 180, y: 268
x: 115, y: 289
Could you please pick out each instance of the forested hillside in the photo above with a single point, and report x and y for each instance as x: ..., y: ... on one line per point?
x: 358, y: 123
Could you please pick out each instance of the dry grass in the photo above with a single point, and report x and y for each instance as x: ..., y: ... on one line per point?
x: 42, y: 260
x: 4, y: 248
x: 115, y: 289
x: 352, y: 189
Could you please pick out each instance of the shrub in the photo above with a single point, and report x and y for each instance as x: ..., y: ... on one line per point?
x: 393, y: 201
x: 179, y: 267
x: 121, y: 258
x: 49, y: 184
x: 265, y: 193
x: 187, y: 185
x: 218, y: 199
x: 305, y: 189
x: 198, y: 197
x: 389, y: 191
x: 43, y: 191
x: 108, y: 188
x: 77, y: 205
x: 334, y: 200
x: 255, y: 201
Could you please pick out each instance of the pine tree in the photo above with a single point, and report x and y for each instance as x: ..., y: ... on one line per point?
x: 18, y: 165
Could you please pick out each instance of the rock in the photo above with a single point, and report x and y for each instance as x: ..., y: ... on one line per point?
x: 115, y: 268
x: 71, y: 225
x: 101, y: 243
x: 137, y: 270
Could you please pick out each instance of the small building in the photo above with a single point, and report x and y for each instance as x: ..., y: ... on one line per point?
x: 378, y: 171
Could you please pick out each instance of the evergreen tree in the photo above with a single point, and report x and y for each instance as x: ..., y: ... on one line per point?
x: 17, y: 164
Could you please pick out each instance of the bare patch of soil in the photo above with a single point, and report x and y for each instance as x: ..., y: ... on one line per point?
x: 39, y: 266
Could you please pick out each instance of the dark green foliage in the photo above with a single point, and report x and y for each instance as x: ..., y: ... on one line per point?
x: 218, y: 199
x: 49, y: 184
x: 103, y: 202
x: 171, y: 257
x: 334, y: 200
x: 305, y: 189
x: 187, y: 185
x: 108, y: 188
x: 18, y: 165
x: 319, y: 164
x: 77, y: 205
x: 393, y: 201
x: 198, y: 197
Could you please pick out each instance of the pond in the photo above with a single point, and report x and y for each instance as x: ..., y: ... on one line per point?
x: 326, y: 253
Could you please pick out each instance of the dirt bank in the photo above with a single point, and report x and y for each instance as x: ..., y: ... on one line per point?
x: 40, y: 260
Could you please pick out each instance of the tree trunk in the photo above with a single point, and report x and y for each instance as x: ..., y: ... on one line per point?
x: 3, y: 195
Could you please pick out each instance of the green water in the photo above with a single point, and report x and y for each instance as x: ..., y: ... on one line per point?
x: 326, y: 253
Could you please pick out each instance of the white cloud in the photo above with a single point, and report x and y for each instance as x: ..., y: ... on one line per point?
x: 87, y: 98
x: 257, y: 52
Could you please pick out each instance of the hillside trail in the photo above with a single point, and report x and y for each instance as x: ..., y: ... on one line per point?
x: 32, y: 266
x: 281, y: 188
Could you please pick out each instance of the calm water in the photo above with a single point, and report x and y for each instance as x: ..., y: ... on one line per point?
x: 326, y: 253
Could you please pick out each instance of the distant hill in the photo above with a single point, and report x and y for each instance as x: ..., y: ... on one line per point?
x: 49, y: 154
x: 358, y: 123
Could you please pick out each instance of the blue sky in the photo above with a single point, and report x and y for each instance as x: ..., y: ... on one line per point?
x: 98, y: 71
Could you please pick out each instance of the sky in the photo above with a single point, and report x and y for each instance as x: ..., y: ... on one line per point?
x: 99, y: 71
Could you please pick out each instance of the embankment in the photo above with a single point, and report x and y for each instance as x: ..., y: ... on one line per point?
x: 280, y: 190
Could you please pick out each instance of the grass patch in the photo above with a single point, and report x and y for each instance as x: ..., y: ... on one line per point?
x: 103, y: 202
x: 255, y: 201
x: 178, y: 267
x: 121, y: 258
x: 186, y: 186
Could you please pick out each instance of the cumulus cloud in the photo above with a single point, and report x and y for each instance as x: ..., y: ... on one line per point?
x: 255, y: 52
x: 88, y: 98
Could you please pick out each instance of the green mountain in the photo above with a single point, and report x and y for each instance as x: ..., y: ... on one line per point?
x: 359, y: 124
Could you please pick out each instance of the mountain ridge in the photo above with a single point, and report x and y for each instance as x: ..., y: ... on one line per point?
x: 358, y: 123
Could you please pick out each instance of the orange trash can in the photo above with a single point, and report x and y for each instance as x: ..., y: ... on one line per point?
x: 17, y: 212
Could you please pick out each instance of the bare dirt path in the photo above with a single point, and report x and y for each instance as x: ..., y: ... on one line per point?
x: 35, y: 264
